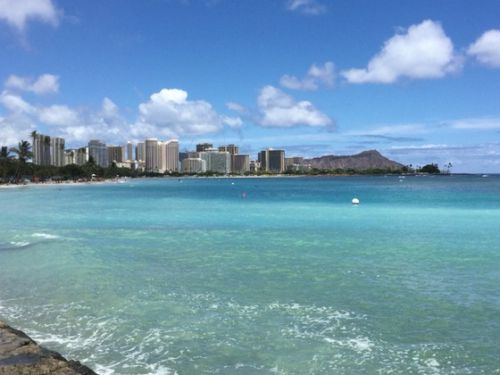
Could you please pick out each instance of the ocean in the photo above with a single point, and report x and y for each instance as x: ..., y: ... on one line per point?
x: 258, y: 275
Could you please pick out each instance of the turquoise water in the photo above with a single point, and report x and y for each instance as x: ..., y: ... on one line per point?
x: 259, y: 276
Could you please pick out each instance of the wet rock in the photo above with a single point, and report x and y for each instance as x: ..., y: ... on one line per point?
x: 20, y: 355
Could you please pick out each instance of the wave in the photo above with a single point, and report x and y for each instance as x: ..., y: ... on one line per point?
x: 46, y: 236
x: 13, y: 245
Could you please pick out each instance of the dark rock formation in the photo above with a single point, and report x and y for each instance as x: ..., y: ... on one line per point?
x: 371, y: 159
x: 20, y: 355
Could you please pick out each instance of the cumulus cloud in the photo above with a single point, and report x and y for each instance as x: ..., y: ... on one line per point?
x: 58, y: 115
x: 44, y: 84
x: 17, y: 12
x: 310, y: 7
x: 170, y: 113
x: 422, y: 51
x: 14, y: 128
x: 317, y: 75
x: 278, y: 109
x: 486, y: 49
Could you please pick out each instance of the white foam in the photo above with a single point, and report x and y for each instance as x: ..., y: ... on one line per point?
x: 46, y: 236
x: 20, y: 243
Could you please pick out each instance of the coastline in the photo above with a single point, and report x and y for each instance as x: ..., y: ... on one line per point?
x: 19, y: 354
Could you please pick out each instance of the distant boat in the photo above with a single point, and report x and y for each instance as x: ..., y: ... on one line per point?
x: 484, y: 175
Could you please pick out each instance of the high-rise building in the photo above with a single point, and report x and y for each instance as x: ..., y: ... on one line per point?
x: 169, y: 156
x: 69, y: 156
x: 41, y: 149
x: 82, y: 155
x: 272, y: 160
x: 295, y: 163
x: 240, y: 164
x: 194, y: 165
x: 130, y: 148
x: 203, y: 147
x: 152, y: 155
x: 183, y: 155
x: 116, y: 154
x: 98, y: 152
x: 57, y: 151
x: 232, y: 149
x: 140, y: 152
x: 219, y: 162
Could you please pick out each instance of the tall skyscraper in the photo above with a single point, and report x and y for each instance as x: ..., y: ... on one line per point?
x: 115, y: 154
x: 172, y: 153
x: 272, y: 160
x: 232, y: 149
x: 98, y: 151
x: 41, y: 149
x: 203, y: 147
x: 57, y: 151
x: 152, y: 155
x: 140, y: 152
x: 219, y: 162
x: 240, y: 164
x: 82, y: 155
x: 194, y: 165
x: 130, y: 148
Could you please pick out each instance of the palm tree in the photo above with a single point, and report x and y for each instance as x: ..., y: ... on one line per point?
x: 22, y: 151
x: 23, y: 154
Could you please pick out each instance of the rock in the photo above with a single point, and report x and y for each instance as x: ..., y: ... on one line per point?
x: 20, y: 355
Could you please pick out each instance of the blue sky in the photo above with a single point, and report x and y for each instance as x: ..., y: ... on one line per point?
x: 417, y: 80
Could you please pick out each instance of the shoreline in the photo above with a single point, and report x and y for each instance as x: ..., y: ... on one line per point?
x: 128, y: 179
x: 20, y: 354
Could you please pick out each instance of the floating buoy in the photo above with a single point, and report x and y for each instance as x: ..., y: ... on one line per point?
x: 355, y: 201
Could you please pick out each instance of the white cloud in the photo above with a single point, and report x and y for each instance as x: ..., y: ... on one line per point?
x: 16, y: 104
x: 14, y: 128
x: 486, y: 49
x: 476, y: 124
x: 58, y: 115
x: 18, y: 12
x: 391, y: 130
x: 170, y: 113
x: 44, y: 84
x: 317, y: 75
x: 423, y: 51
x: 278, y: 109
x: 311, y: 7
x: 236, y: 107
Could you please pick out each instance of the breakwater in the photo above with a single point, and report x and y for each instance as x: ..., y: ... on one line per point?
x: 19, y: 354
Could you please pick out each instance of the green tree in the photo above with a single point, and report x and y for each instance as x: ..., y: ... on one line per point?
x: 22, y: 151
x: 430, y: 168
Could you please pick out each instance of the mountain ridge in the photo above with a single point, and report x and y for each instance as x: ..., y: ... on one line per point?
x: 370, y: 159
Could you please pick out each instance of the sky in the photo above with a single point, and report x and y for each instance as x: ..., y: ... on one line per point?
x: 418, y: 81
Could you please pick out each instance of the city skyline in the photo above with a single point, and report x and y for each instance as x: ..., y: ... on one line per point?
x: 419, y: 82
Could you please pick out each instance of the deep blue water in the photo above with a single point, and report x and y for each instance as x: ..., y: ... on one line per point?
x: 259, y: 276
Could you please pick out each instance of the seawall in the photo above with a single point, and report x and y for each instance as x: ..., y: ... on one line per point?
x: 20, y: 355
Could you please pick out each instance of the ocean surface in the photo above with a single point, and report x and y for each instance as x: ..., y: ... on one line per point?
x: 258, y: 276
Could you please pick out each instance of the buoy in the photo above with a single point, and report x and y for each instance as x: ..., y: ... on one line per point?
x: 355, y: 201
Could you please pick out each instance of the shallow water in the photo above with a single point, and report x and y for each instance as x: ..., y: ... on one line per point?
x: 259, y: 276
